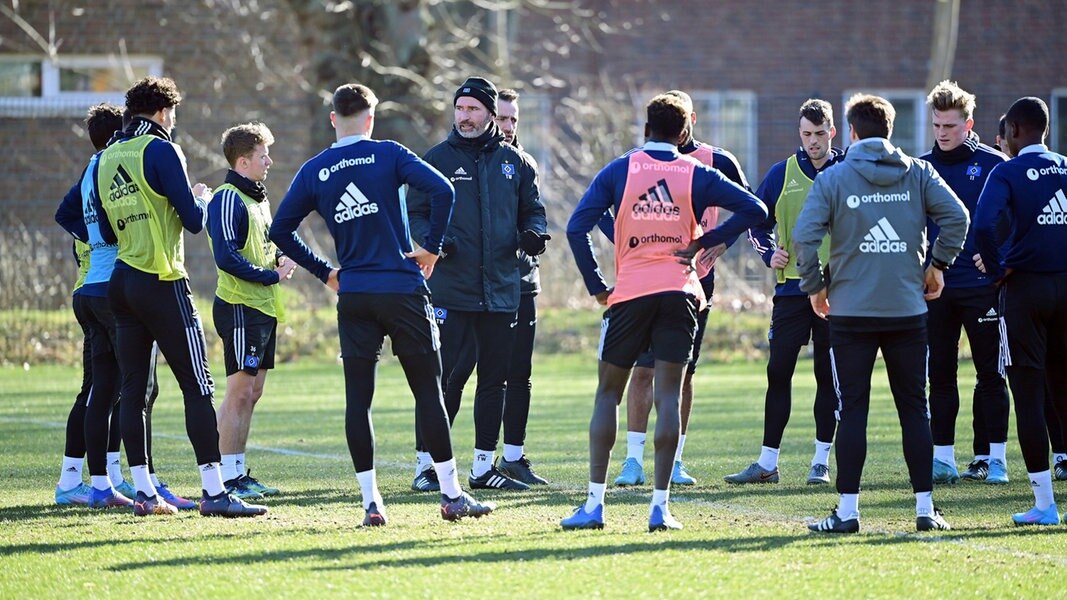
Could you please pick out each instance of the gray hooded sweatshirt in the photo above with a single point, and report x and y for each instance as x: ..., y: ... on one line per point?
x: 874, y: 206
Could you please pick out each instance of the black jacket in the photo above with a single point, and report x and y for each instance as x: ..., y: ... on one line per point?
x: 530, y: 282
x: 496, y: 198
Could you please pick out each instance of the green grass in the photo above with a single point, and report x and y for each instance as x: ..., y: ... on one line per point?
x: 737, y: 541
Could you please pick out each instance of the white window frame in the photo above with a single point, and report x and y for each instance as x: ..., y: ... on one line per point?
x: 708, y: 106
x: 1058, y: 120
x: 54, y: 102
x: 923, y: 136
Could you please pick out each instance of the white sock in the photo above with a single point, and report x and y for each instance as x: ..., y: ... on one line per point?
x: 945, y: 454
x: 368, y: 485
x: 229, y: 467
x: 1059, y: 457
x: 659, y: 498
x: 984, y: 457
x: 448, y: 477
x: 101, y: 482
x: 423, y: 461
x: 512, y: 453
x: 681, y: 444
x: 155, y: 480
x: 999, y: 452
x: 71, y: 475
x: 211, y: 478
x: 141, y: 481
x: 822, y: 453
x: 114, y: 467
x: 1042, y: 486
x: 242, y: 464
x: 768, y: 458
x: 924, y: 504
x: 483, y: 461
x: 595, y: 497
x: 635, y: 445
x: 848, y: 507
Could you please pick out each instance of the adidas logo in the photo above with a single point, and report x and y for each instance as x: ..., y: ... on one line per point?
x: 122, y: 185
x: 72, y: 469
x: 461, y: 171
x: 1055, y: 212
x: 354, y: 204
x: 792, y: 183
x: 990, y: 316
x: 992, y: 312
x: 883, y: 239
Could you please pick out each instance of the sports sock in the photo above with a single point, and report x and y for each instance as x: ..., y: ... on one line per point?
x: 595, y: 497
x: 999, y: 452
x: 114, y: 467
x: 368, y: 485
x: 924, y: 504
x: 848, y: 507
x: 768, y: 458
x: 681, y: 444
x: 945, y: 454
x: 635, y: 445
x: 242, y: 464
x: 155, y: 479
x: 211, y: 478
x: 141, y: 481
x: 984, y: 457
x: 423, y: 461
x: 512, y: 453
x: 448, y: 477
x: 71, y: 475
x: 483, y: 461
x: 659, y: 498
x: 229, y: 467
x: 1042, y: 486
x: 1059, y: 457
x: 101, y: 482
x: 822, y: 453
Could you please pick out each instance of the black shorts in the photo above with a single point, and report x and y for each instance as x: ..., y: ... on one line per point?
x: 248, y: 337
x: 363, y: 321
x: 1034, y: 309
x: 794, y: 323
x: 665, y: 322
x: 648, y: 361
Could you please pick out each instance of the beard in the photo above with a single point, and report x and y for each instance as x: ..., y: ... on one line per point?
x: 476, y: 128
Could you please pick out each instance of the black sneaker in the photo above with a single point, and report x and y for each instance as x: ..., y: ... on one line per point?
x: 835, y: 524
x: 493, y: 479
x: 374, y: 517
x: 426, y: 481
x: 978, y: 470
x: 1061, y: 470
x: 228, y: 505
x: 932, y: 522
x: 520, y: 470
x: 454, y: 509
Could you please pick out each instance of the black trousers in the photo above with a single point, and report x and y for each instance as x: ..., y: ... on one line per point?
x: 1034, y: 306
x: 106, y: 381
x: 852, y: 356
x: 519, y: 385
x: 793, y: 323
x: 492, y: 335
x: 973, y: 310
x: 149, y: 310
x: 75, y: 442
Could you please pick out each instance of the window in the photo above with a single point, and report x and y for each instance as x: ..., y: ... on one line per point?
x: 911, y: 129
x: 38, y: 87
x: 1058, y: 134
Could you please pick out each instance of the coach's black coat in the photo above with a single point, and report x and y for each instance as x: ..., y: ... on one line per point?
x: 496, y: 198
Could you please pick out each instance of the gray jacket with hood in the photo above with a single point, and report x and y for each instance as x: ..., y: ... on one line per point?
x: 874, y: 207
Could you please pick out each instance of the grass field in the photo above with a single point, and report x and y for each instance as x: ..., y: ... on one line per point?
x: 737, y: 541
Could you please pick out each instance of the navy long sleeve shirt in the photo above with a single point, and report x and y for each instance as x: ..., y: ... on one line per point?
x: 710, y: 188
x: 227, y: 224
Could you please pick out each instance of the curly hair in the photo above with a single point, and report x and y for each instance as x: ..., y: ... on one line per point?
x: 152, y: 94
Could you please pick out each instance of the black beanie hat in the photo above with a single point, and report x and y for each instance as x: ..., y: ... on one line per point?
x: 481, y: 90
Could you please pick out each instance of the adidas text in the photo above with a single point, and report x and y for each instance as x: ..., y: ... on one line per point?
x: 354, y: 204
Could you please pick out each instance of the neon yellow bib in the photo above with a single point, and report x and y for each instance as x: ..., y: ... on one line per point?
x: 259, y: 251
x: 795, y: 188
x: 81, y: 249
x: 146, y: 224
